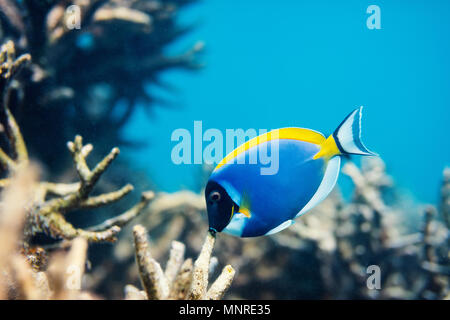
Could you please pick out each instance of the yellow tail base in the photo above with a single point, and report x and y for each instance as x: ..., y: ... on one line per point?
x: 328, y: 149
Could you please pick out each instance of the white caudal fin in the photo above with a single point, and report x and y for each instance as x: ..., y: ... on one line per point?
x: 348, y: 135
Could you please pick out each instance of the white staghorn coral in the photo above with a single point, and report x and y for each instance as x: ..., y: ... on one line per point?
x: 180, y: 280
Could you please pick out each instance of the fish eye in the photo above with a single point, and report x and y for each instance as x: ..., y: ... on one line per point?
x: 214, y: 196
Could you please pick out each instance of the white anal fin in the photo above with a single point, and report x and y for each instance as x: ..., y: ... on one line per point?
x: 281, y: 227
x: 325, y: 187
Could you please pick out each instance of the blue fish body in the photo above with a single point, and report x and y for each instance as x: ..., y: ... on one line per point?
x: 296, y: 181
x: 253, y: 204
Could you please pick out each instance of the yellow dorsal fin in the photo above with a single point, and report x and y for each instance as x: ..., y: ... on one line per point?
x: 292, y: 133
x: 328, y: 149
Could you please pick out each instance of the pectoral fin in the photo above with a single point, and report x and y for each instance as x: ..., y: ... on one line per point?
x: 245, y: 212
x: 244, y: 207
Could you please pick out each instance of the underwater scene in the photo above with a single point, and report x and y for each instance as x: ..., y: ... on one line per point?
x: 224, y: 150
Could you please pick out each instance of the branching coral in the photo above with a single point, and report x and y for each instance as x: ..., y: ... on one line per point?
x: 9, y: 65
x: 18, y: 278
x: 169, y: 216
x: 45, y: 210
x: 46, y: 214
x: 29, y: 207
x: 327, y: 252
x: 180, y: 280
x: 63, y: 279
x: 79, y: 82
x: 367, y: 234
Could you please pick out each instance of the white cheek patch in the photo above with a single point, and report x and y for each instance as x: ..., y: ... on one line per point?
x: 236, y: 225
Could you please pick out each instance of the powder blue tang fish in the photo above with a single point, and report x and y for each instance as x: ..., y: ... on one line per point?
x: 244, y: 200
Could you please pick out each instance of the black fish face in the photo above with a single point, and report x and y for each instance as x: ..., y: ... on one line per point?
x: 219, y: 205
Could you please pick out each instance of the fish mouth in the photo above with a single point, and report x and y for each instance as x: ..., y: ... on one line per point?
x: 213, y: 231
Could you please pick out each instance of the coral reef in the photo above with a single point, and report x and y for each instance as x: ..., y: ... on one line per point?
x: 30, y: 206
x: 47, y: 215
x: 180, y: 280
x: 330, y: 253
x: 79, y: 83
x: 65, y: 274
x: 19, y: 277
x: 27, y: 209
x: 333, y: 249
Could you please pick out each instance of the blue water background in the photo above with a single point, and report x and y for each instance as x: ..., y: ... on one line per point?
x: 271, y: 64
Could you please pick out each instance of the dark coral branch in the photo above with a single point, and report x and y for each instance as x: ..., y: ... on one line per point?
x: 9, y: 65
x: 128, y: 215
x: 151, y: 274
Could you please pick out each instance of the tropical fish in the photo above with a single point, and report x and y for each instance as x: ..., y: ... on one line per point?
x: 243, y: 202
